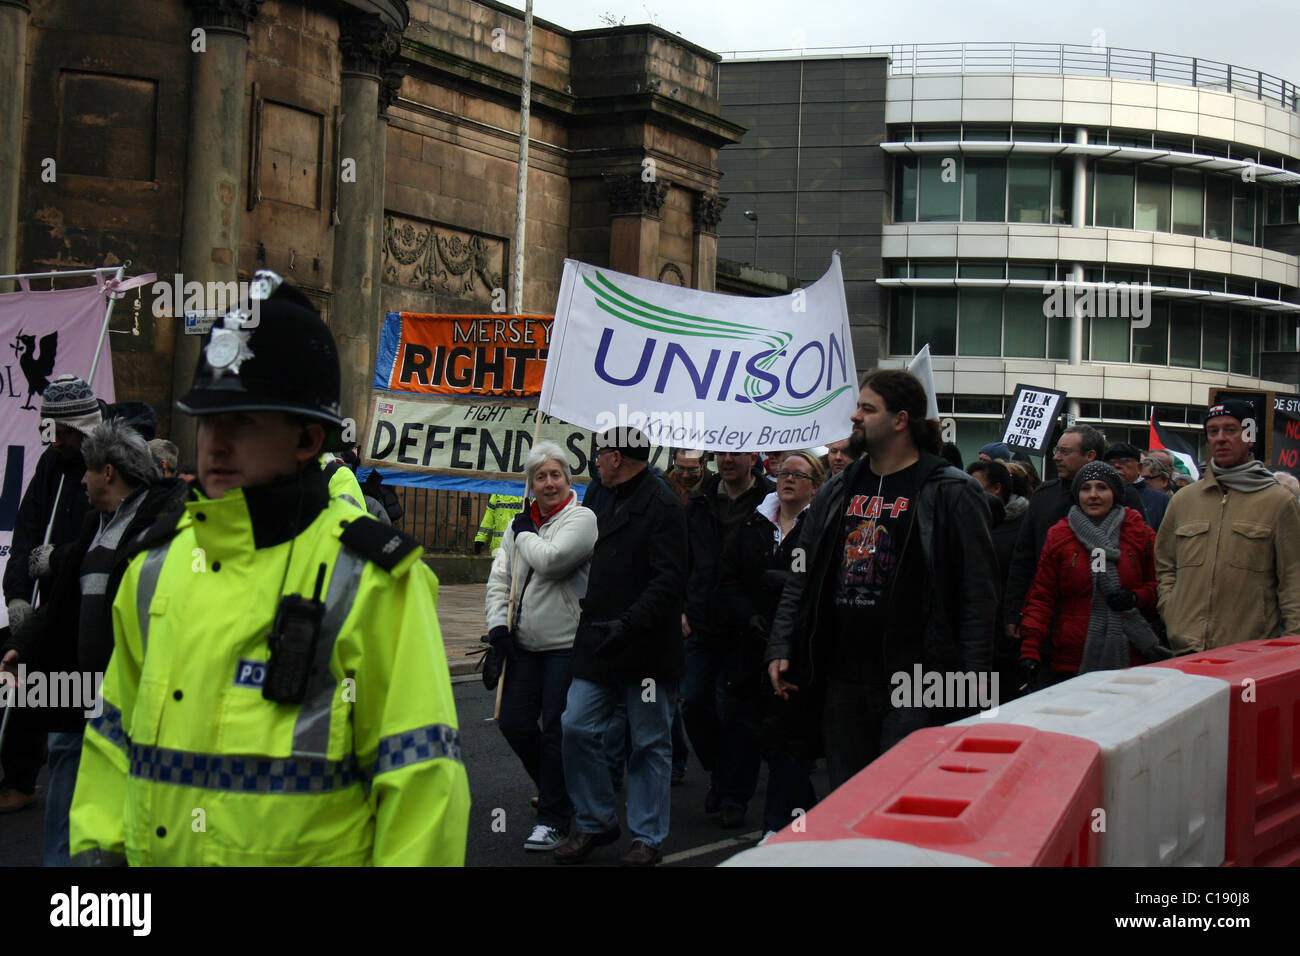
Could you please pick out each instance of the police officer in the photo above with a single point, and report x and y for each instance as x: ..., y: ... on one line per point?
x: 278, y: 692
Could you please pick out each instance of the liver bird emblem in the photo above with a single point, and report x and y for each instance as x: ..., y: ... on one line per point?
x: 36, y: 365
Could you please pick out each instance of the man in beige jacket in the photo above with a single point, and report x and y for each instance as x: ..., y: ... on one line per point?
x: 1228, y: 551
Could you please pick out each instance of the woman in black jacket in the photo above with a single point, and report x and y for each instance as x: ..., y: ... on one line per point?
x: 756, y: 561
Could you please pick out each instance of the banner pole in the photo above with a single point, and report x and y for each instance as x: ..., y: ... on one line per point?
x: 514, y: 578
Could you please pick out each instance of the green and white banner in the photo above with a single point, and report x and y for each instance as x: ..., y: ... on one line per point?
x: 699, y: 369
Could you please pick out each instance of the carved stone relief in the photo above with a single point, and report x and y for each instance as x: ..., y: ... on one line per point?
x: 431, y: 258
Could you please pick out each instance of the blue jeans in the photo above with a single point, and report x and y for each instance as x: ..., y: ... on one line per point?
x: 618, y: 743
x: 65, y: 758
x: 537, y: 684
x: 649, y: 768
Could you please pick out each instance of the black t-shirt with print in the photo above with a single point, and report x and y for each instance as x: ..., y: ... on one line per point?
x: 879, y: 576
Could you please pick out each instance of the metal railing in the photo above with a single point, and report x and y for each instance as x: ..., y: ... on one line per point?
x: 442, y: 521
x: 909, y: 59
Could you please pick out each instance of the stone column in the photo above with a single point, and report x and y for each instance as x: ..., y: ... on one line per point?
x: 213, y: 173
x: 367, y: 45
x: 388, y: 91
x: 634, y: 224
x: 704, y: 246
x: 13, y: 86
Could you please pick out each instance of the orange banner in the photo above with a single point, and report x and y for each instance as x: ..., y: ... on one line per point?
x: 503, y: 355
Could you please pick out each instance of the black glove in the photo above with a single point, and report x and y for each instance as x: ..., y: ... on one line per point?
x: 478, y: 547
x: 612, y: 642
x: 523, y: 523
x: 499, y: 638
x: 1029, y: 673
x: 1122, y: 600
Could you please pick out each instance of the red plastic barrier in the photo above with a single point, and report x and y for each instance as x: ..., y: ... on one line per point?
x: 1263, y: 812
x: 1000, y: 793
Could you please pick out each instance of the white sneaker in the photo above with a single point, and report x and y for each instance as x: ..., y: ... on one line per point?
x: 543, y: 838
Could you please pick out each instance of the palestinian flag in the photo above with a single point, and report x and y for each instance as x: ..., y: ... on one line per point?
x: 1184, y: 456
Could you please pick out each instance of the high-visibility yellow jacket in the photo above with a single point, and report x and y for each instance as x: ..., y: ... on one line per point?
x: 501, y: 510
x: 343, y: 481
x: 189, y: 764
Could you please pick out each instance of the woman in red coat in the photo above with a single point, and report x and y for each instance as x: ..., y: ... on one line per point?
x: 1095, y: 581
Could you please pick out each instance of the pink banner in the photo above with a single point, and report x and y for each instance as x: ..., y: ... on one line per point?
x: 42, y: 335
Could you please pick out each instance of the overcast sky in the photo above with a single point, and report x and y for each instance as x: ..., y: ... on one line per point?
x: 1254, y: 34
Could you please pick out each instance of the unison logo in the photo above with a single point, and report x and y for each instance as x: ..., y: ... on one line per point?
x: 766, y: 367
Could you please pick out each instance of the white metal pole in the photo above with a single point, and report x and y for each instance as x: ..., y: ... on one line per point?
x: 521, y: 193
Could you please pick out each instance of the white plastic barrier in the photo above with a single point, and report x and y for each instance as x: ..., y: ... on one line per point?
x: 1164, y: 750
x: 847, y: 853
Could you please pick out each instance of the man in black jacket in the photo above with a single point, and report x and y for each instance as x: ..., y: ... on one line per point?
x: 627, y: 649
x: 897, y: 572
x: 714, y: 511
x: 1051, y: 502
x: 55, y: 489
x: 72, y: 631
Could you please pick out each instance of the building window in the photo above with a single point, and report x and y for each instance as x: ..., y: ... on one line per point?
x: 1110, y: 338
x: 1114, y: 195
x: 1026, y: 325
x: 1153, y: 198
x: 940, y: 199
x: 1185, y: 335
x: 1218, y: 208
x: 936, y: 320
x: 980, y: 326
x: 1214, y: 349
x: 1063, y: 191
x: 1189, y: 202
x: 1151, y: 345
x: 905, y: 190
x: 1243, y: 213
x: 984, y: 194
x: 900, y: 322
x: 1242, y: 358
x: 1029, y: 189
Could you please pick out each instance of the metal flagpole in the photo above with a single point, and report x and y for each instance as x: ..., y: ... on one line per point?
x: 90, y: 379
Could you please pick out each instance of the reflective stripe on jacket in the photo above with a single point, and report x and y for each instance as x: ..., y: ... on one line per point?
x: 189, y: 764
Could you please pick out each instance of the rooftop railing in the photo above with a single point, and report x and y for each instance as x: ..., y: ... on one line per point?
x: 1062, y: 59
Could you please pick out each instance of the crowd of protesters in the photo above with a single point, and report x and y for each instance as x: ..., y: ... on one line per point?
x: 806, y: 581
x: 755, y: 609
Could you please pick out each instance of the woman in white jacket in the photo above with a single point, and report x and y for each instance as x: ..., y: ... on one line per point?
x: 547, y: 551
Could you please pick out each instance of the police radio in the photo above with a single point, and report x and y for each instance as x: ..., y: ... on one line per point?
x: 293, y: 645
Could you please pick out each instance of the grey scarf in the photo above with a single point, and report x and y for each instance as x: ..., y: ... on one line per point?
x: 1248, y: 477
x: 1110, y: 632
x: 1016, y: 507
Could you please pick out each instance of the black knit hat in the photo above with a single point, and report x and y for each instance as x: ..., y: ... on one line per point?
x: 1235, y: 408
x: 1099, y: 471
x: 1121, y: 449
x: 282, y: 359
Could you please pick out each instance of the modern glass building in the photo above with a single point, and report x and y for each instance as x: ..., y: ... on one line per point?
x: 1122, y: 226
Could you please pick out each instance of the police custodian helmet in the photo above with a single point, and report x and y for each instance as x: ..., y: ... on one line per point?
x: 278, y: 356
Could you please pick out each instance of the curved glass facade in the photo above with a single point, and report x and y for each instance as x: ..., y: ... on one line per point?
x: 1120, y: 194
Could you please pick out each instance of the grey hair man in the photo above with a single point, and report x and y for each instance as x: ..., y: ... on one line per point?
x: 166, y: 453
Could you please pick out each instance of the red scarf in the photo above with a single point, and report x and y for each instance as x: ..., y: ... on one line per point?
x: 536, y: 512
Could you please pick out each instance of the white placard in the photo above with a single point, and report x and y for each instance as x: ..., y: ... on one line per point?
x: 1031, y: 419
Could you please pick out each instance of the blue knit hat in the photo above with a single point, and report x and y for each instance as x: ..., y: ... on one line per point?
x: 997, y: 450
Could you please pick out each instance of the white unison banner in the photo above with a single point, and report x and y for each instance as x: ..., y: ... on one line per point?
x: 702, y: 370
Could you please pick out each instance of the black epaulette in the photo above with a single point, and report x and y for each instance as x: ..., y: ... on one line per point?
x: 377, y: 542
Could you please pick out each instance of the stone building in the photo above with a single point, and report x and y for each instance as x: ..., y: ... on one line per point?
x: 365, y: 149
